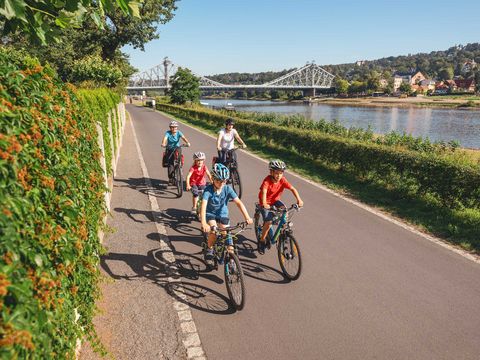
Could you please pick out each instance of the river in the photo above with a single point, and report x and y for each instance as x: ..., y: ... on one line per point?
x: 436, y: 124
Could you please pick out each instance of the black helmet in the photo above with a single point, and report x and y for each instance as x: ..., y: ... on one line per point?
x: 229, y: 121
x: 277, y: 165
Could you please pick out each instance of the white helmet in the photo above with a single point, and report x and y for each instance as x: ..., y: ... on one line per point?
x: 173, y: 124
x: 199, y: 156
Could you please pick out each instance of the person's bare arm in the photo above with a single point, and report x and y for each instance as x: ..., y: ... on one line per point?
x: 209, y: 176
x: 264, y: 198
x: 219, y: 139
x: 239, y: 139
x: 164, y: 141
x: 187, y: 181
x: 185, y: 140
x: 203, y: 216
x: 297, y: 196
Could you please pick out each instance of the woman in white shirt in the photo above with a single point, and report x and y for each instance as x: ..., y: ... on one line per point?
x: 226, y: 141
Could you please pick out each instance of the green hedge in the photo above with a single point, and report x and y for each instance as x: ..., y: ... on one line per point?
x: 99, y: 103
x: 51, y: 208
x: 452, y: 183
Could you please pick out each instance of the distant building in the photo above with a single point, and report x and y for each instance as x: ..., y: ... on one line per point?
x: 383, y: 83
x: 441, y: 87
x: 465, y: 85
x: 412, y: 78
x: 427, y: 84
x: 468, y: 66
x: 360, y: 62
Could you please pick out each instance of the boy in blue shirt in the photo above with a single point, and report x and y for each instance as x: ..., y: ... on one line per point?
x: 171, y: 140
x: 214, y: 210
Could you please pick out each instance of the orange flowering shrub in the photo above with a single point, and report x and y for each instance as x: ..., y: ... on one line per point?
x: 51, y: 207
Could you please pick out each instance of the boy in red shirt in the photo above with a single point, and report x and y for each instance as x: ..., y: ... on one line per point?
x: 270, y: 192
x: 196, y: 177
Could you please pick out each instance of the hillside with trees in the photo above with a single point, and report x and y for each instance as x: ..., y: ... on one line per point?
x: 440, y: 65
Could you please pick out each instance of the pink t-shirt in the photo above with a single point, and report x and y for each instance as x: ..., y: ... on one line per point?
x: 198, y: 175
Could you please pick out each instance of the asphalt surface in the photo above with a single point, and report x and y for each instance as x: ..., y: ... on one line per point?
x: 369, y: 288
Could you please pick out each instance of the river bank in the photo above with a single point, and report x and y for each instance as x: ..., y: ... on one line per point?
x: 467, y: 102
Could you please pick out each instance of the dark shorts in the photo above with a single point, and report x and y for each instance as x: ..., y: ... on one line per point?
x: 196, y: 189
x: 221, y: 220
x: 267, y: 215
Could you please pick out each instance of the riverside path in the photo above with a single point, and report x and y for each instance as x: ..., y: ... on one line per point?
x: 369, y: 289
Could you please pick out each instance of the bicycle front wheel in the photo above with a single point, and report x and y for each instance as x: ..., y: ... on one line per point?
x: 234, y: 281
x: 179, y: 182
x: 289, y: 257
x: 236, y: 182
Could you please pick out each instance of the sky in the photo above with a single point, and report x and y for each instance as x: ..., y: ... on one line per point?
x: 219, y: 36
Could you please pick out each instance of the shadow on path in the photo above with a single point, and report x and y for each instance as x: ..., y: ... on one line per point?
x: 159, y: 188
x: 156, y: 268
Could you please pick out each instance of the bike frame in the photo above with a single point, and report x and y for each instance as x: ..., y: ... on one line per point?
x: 283, y: 221
x: 231, y: 160
x: 177, y: 160
x: 220, y: 248
x: 283, y: 215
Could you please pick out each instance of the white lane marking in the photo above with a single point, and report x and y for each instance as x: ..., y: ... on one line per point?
x: 191, y: 338
x: 438, y: 241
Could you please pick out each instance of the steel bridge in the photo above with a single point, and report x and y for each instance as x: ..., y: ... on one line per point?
x: 309, y: 77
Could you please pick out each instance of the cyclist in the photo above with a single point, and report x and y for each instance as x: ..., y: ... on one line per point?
x: 226, y: 141
x: 171, y: 141
x: 214, y: 210
x: 196, y: 177
x: 270, y: 192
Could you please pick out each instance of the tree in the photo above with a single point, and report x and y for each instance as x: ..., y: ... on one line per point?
x: 69, y: 49
x: 93, y: 70
x: 43, y: 20
x: 373, y: 82
x: 185, y: 87
x: 341, y: 86
x: 405, y: 88
x: 357, y: 87
x: 121, y: 29
x: 446, y: 73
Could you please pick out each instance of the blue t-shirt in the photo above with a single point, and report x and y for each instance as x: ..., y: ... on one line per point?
x: 217, y: 203
x: 173, y: 140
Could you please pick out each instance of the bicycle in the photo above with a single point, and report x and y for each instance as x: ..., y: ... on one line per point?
x: 234, y: 278
x: 288, y: 251
x: 198, y: 205
x: 232, y: 165
x: 176, y: 173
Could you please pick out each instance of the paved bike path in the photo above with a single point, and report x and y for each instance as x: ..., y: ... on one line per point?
x: 369, y: 288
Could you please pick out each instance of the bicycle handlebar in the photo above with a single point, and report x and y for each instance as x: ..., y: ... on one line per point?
x: 218, y: 230
x: 292, y: 207
x: 178, y: 146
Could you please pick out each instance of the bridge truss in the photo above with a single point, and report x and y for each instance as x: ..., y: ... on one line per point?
x: 310, y: 76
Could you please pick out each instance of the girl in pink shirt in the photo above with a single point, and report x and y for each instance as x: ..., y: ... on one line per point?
x: 196, y: 177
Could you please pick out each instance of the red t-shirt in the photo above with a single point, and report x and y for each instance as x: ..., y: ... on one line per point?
x: 274, y: 190
x: 198, y: 175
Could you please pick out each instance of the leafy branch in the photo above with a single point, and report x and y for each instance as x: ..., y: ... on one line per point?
x: 42, y: 20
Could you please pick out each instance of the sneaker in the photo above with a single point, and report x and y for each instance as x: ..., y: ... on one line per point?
x: 261, y: 247
x: 208, y: 256
x: 194, y: 210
